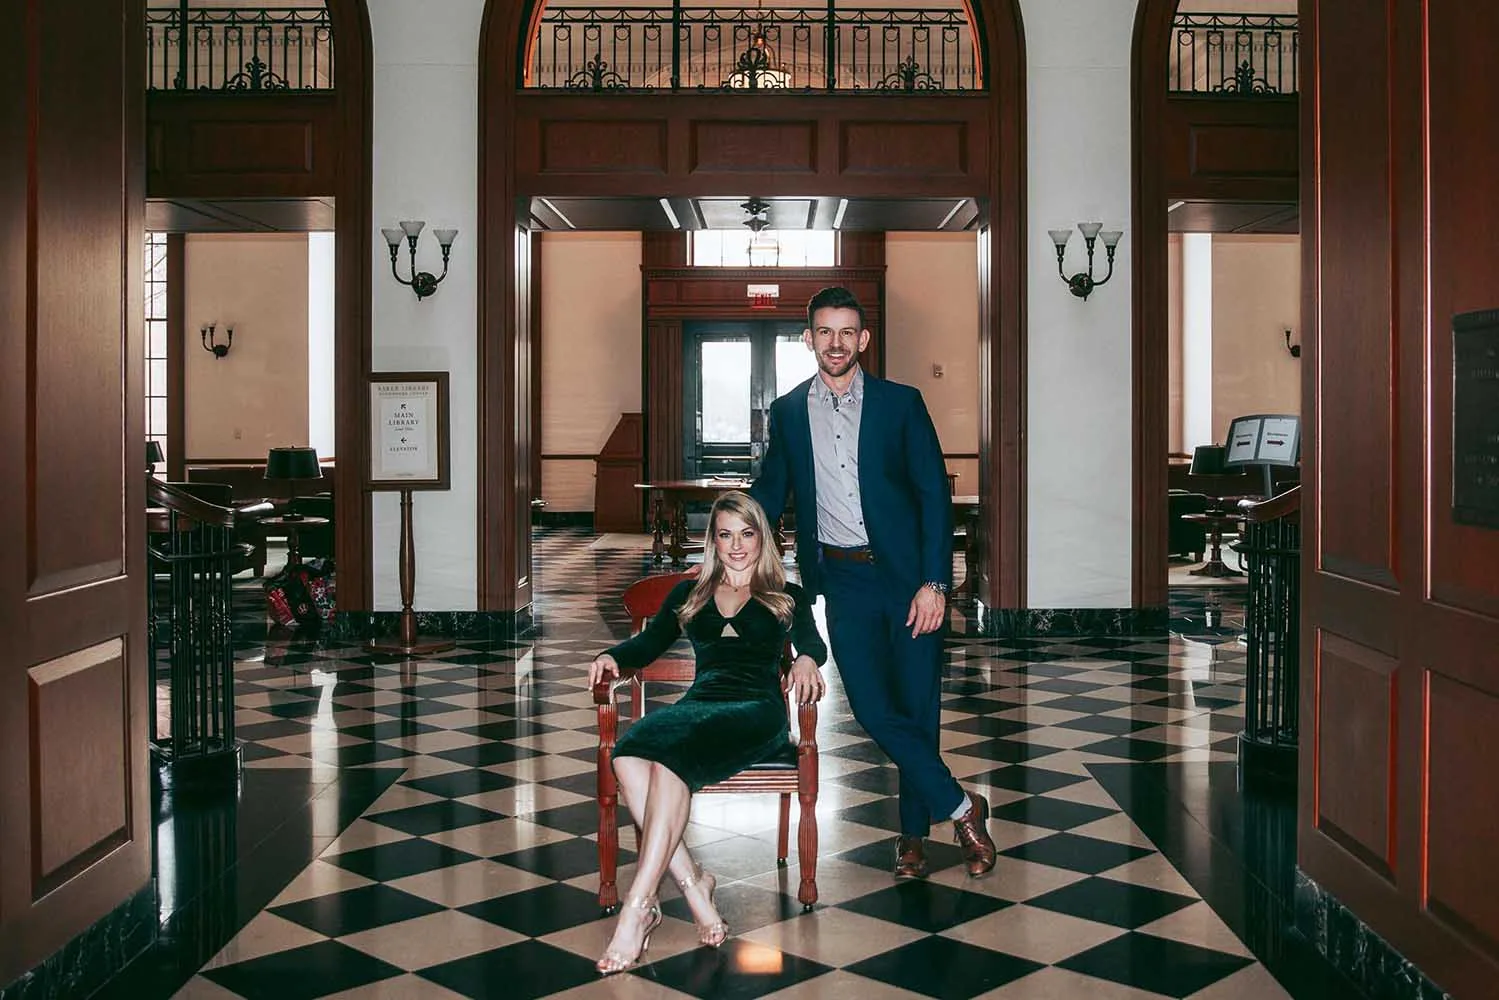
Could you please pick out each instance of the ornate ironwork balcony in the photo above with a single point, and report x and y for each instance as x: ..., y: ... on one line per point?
x: 238, y: 49
x: 730, y: 48
x: 1234, y: 55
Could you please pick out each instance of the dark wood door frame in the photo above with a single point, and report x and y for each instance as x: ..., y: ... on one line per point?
x: 997, y: 132
x: 353, y: 55
x: 1202, y: 148
x: 1150, y: 351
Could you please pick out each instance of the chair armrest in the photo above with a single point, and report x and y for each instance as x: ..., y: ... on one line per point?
x: 604, y: 690
x: 806, y: 728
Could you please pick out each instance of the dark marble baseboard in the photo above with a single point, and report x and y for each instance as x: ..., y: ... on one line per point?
x: 89, y: 960
x: 1028, y: 622
x: 361, y: 625
x: 564, y: 519
x: 1355, y: 950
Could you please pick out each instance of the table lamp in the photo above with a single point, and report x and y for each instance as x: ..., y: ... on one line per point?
x: 292, y: 465
x: 153, y: 455
x: 1208, y: 459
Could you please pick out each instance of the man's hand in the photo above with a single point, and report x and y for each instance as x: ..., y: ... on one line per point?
x: 601, y: 669
x: 927, y: 610
x: 806, y: 684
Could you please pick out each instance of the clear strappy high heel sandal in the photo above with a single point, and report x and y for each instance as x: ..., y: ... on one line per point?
x: 713, y: 934
x: 612, y: 961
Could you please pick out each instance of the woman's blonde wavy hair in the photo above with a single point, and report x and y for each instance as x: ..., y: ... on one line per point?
x: 768, y: 583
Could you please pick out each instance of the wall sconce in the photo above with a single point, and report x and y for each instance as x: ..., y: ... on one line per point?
x: 1081, y: 284
x: 210, y: 343
x: 1295, y: 349
x: 421, y: 282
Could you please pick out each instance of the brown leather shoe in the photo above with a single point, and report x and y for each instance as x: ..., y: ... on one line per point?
x: 910, y: 857
x: 972, y: 835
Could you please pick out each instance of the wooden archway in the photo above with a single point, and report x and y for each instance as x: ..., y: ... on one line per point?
x: 985, y: 143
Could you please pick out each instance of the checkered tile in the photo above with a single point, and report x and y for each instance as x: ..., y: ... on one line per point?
x: 475, y: 873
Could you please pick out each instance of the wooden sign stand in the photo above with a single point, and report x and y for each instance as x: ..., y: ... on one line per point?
x: 406, y: 642
x: 409, y: 451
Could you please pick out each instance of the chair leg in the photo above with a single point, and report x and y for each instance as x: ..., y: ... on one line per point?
x: 806, y: 844
x: 608, y: 834
x: 783, y: 840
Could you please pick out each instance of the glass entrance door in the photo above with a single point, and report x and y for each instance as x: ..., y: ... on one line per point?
x: 733, y: 372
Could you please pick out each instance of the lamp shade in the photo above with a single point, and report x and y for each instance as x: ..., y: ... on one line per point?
x: 292, y: 463
x: 153, y: 452
x: 1207, y: 460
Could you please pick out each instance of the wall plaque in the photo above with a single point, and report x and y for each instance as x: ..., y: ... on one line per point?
x: 1475, y: 418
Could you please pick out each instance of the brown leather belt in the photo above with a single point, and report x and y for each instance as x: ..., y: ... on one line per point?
x: 860, y: 555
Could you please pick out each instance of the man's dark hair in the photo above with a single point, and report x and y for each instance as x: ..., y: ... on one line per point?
x: 834, y: 297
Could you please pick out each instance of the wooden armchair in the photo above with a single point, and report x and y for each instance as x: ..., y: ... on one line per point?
x: 787, y: 773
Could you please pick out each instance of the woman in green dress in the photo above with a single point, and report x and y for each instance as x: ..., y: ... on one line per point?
x: 738, y: 613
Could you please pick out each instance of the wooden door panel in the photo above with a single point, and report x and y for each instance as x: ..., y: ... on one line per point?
x: 1355, y: 371
x: 1356, y: 733
x: 1464, y: 217
x: 1462, y: 813
x: 74, y: 806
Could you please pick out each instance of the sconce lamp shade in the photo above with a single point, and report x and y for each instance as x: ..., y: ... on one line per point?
x: 1207, y: 460
x: 153, y: 452
x: 412, y: 229
x: 1090, y: 229
x: 1111, y: 237
x: 292, y: 463
x: 1060, y: 237
x: 392, y: 237
x: 445, y: 237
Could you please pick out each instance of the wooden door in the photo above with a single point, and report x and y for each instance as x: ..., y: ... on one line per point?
x: 74, y: 807
x: 1398, y: 797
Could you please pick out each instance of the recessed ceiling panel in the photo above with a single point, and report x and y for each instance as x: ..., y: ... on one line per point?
x: 782, y: 213
x: 1233, y: 217
x: 909, y: 214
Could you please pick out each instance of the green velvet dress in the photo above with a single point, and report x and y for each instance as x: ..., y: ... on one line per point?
x: 734, y: 714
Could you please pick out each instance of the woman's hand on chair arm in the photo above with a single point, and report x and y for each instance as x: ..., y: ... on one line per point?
x: 807, y: 684
x: 603, y: 668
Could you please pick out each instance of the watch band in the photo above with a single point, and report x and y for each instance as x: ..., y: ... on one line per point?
x: 937, y: 585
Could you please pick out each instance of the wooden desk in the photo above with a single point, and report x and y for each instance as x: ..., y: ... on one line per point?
x: 669, y: 500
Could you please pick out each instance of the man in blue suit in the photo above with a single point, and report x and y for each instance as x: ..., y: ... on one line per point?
x: 874, y: 536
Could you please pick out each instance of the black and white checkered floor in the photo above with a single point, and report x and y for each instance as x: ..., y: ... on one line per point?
x: 427, y: 831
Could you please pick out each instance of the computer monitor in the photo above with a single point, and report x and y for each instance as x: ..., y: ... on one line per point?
x: 1264, y: 440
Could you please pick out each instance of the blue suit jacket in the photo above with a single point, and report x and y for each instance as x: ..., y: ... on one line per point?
x: 903, y: 484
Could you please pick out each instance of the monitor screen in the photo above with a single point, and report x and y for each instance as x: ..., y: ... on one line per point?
x: 1264, y: 439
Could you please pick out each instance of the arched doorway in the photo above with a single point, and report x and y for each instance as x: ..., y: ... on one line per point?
x: 984, y: 132
x: 1226, y: 141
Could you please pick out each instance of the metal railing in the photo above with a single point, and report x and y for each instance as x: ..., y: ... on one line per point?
x: 1234, y: 55
x: 238, y: 48
x: 731, y: 48
x: 1271, y: 548
x: 192, y: 543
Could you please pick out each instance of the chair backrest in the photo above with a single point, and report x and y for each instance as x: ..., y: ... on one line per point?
x: 644, y: 598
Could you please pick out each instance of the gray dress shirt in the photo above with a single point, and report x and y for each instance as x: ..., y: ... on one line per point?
x: 835, y: 460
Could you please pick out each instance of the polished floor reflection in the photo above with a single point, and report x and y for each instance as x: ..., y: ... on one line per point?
x: 426, y: 830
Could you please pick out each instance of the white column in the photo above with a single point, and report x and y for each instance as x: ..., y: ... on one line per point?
x: 1197, y: 340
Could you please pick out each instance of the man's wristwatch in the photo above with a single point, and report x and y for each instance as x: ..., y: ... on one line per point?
x: 937, y: 585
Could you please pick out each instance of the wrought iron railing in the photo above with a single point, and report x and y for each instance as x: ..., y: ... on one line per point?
x: 1271, y: 548
x: 731, y: 48
x: 1234, y: 55
x: 192, y: 543
x: 238, y: 49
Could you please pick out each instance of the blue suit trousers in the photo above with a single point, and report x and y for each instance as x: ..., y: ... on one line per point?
x: 894, y: 685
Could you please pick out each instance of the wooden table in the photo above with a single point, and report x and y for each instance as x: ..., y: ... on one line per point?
x: 669, y: 500
x: 289, y: 525
x: 1215, y: 525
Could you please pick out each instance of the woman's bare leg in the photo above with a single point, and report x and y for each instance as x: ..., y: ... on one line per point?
x: 667, y: 803
x: 634, y: 777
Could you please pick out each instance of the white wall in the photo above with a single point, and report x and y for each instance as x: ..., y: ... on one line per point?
x: 1198, y: 313
x: 320, y: 354
x: 426, y: 156
x: 932, y: 315
x: 590, y: 354
x: 1079, y: 418
x: 253, y: 398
